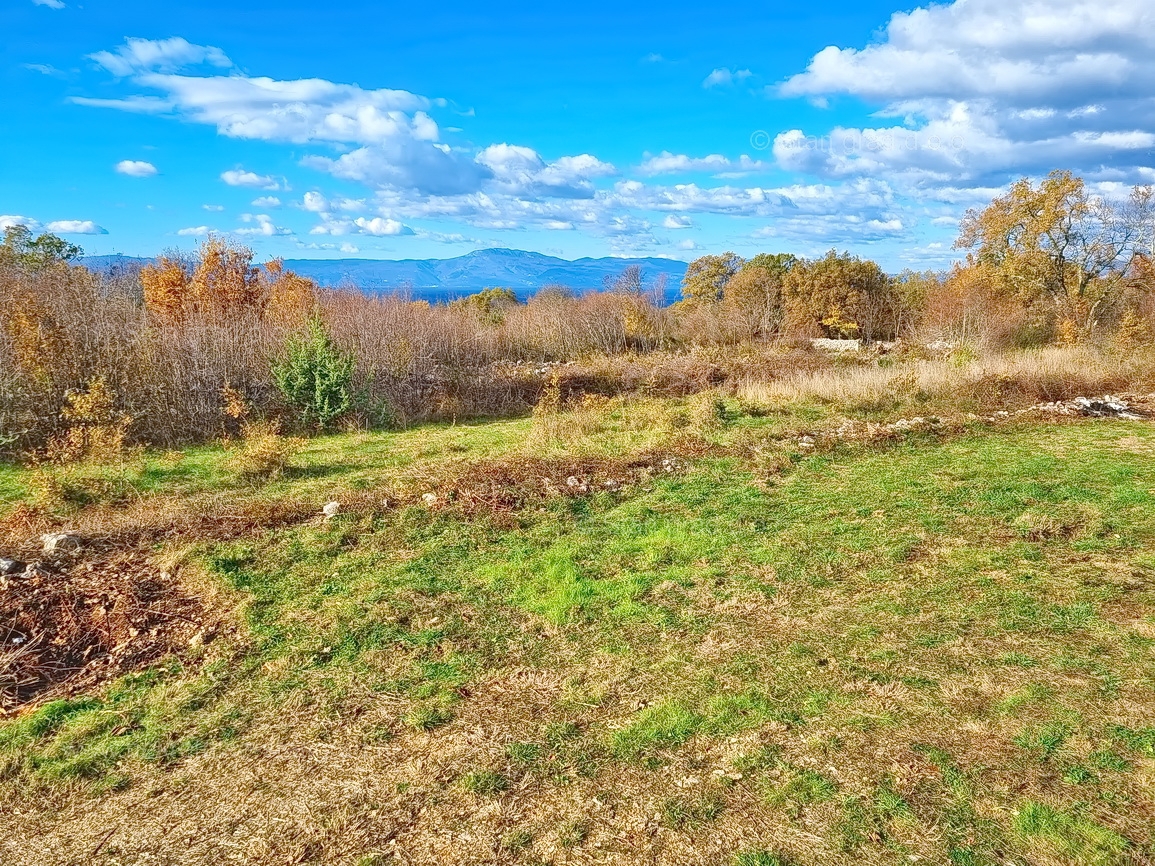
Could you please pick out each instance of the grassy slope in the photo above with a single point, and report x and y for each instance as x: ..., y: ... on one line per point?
x: 941, y: 650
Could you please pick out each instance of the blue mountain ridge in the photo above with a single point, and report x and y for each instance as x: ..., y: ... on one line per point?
x: 443, y: 279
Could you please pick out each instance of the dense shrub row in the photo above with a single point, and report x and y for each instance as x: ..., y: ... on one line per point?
x: 170, y: 345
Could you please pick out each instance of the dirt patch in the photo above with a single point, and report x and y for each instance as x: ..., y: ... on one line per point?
x: 512, y: 484
x: 66, y: 628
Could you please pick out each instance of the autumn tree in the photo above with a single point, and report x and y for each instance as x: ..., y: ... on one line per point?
x: 706, y: 277
x: 287, y: 297
x: 166, y: 288
x: 220, y: 283
x: 755, y: 291
x: 839, y: 296
x: 39, y: 343
x: 1055, y: 244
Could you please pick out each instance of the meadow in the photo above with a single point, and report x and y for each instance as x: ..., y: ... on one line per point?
x: 761, y: 627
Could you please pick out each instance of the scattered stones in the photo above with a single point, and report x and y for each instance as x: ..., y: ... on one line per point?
x: 1105, y: 407
x: 1089, y: 407
x: 429, y: 499
x: 331, y: 508
x: 11, y: 566
x: 57, y: 543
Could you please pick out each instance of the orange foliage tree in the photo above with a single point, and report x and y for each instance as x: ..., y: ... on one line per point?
x: 221, y: 283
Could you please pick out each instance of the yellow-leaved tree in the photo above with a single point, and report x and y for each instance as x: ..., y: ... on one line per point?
x: 1055, y: 244
x: 221, y: 283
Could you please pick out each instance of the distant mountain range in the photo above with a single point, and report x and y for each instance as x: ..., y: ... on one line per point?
x: 440, y: 279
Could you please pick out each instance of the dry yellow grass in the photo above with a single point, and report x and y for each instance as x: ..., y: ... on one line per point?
x: 1054, y: 373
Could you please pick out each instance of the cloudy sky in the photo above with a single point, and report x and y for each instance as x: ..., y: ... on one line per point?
x: 364, y: 129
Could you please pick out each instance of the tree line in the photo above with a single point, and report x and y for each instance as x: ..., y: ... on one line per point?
x: 1061, y: 262
x: 1046, y: 262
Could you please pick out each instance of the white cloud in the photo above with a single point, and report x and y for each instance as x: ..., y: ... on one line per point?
x: 240, y: 177
x: 379, y: 226
x: 404, y: 162
x: 1032, y: 52
x: 376, y: 226
x: 8, y: 221
x: 349, y: 205
x: 722, y: 77
x: 983, y: 91
x: 158, y: 55
x: 51, y: 4
x: 673, y: 163
x: 389, y: 138
x: 673, y: 221
x: 522, y: 171
x: 215, y: 208
x: 314, y: 202
x: 266, y: 201
x: 194, y: 231
x: 75, y: 227
x: 261, y: 225
x: 135, y: 168
x: 132, y: 104
x: 344, y: 247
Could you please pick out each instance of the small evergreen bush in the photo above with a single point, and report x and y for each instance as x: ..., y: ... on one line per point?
x: 315, y: 377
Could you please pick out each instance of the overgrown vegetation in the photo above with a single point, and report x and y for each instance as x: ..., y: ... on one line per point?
x: 1046, y: 264
x: 717, y: 599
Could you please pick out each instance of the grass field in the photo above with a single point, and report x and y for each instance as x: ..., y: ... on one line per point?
x: 749, y: 652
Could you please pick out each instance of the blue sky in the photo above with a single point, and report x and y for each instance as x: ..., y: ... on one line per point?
x: 412, y: 130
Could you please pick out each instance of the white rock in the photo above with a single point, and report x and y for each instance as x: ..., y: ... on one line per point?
x: 429, y: 498
x: 11, y: 566
x: 331, y: 508
x: 61, y: 542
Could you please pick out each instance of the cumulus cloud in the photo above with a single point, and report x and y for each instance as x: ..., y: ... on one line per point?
x: 314, y: 202
x: 380, y: 226
x: 675, y: 163
x: 522, y: 171
x: 673, y: 221
x: 376, y: 226
x: 261, y: 225
x: 722, y: 77
x: 8, y: 221
x: 240, y: 177
x: 75, y: 227
x: 51, y: 4
x: 135, y: 168
x: 982, y: 91
x: 266, y: 201
x: 1040, y: 52
x: 216, y: 208
x: 194, y: 231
